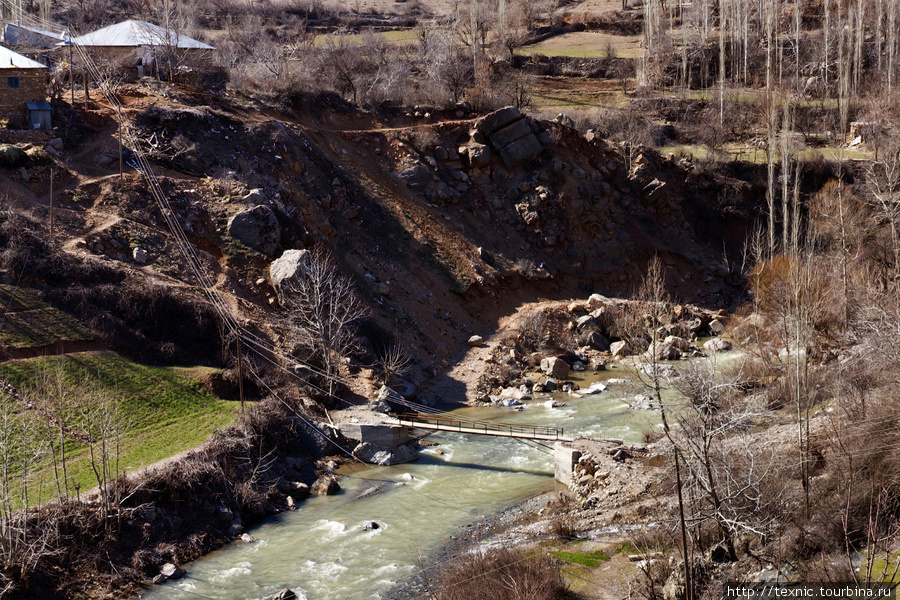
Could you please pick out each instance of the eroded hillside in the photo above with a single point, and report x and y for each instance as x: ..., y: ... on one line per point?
x: 443, y: 223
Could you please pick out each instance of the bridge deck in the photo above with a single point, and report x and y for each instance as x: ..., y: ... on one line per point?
x: 524, y: 432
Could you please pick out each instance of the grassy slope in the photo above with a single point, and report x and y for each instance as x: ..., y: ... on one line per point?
x: 167, y: 409
x: 28, y: 322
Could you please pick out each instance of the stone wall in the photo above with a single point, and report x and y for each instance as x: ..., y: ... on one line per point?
x: 32, y: 88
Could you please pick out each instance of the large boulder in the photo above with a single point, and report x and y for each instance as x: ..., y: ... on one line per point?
x: 325, y: 486
x: 663, y: 351
x: 415, y: 176
x: 285, y: 594
x: 12, y: 156
x: 511, y: 135
x: 257, y: 228
x: 595, y: 340
x: 38, y: 156
x: 521, y: 150
x: 606, y: 317
x: 385, y: 456
x: 717, y: 345
x: 287, y: 266
x: 479, y: 155
x: 171, y: 571
x: 499, y: 119
x: 555, y: 367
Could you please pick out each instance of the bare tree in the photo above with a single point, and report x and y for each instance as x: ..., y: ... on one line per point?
x: 394, y: 361
x: 883, y: 179
x: 730, y: 474
x: 21, y: 448
x: 102, y: 422
x: 323, y: 310
x: 653, y: 313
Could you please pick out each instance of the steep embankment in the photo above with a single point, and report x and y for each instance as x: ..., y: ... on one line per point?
x: 443, y: 227
x: 446, y: 223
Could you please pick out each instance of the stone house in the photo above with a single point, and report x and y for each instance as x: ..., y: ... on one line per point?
x: 22, y: 80
x: 141, y: 45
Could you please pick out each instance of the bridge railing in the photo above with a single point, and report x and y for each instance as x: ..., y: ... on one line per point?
x: 450, y: 424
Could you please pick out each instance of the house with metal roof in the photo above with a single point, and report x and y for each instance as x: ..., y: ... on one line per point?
x: 139, y: 43
x: 19, y: 35
x: 22, y: 80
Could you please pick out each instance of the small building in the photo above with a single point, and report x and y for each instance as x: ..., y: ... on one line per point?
x: 140, y: 44
x: 40, y: 114
x: 22, y: 80
x: 18, y: 35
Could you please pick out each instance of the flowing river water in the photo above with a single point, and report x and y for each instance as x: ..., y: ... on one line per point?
x: 324, y: 550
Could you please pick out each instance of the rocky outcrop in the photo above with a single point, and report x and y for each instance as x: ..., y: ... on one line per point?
x: 256, y: 228
x: 513, y: 136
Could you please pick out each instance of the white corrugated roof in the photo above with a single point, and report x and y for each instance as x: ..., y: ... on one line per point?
x: 51, y: 34
x: 137, y: 33
x: 14, y: 60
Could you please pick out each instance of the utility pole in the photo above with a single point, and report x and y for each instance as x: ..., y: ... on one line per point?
x: 240, y: 364
x: 52, y: 173
x: 121, y: 161
x: 473, y: 19
x: 71, y: 70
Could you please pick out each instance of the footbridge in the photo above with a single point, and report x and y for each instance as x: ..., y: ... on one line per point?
x: 508, y: 430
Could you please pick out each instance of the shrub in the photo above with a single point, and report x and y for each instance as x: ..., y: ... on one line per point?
x: 502, y: 574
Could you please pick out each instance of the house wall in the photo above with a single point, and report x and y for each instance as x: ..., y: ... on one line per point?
x: 32, y: 88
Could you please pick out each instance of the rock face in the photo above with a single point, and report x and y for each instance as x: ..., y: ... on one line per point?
x: 512, y: 135
x: 257, y: 228
x: 555, y: 367
x: 290, y: 264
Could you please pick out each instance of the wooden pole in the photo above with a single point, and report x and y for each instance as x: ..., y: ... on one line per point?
x: 72, y: 75
x: 52, y: 173
x: 86, y: 93
x: 240, y: 363
x: 121, y: 161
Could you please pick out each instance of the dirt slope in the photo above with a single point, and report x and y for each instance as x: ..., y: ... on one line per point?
x: 438, y: 258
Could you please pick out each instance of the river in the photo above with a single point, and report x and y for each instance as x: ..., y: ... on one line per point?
x: 324, y: 550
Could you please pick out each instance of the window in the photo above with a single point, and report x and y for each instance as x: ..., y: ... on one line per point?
x: 13, y: 82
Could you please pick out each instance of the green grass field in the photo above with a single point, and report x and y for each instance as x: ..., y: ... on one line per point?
x: 397, y: 36
x: 586, y: 44
x: 758, y: 155
x: 167, y: 410
x: 585, y: 559
x: 31, y: 323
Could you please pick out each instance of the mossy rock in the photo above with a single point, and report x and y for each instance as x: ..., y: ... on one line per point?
x: 12, y: 156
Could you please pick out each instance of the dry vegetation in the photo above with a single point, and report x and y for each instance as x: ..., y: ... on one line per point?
x: 786, y: 81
